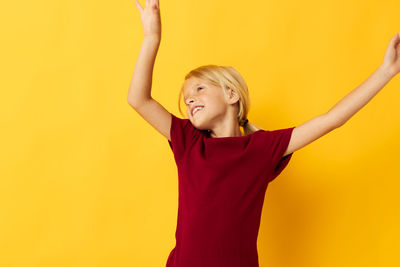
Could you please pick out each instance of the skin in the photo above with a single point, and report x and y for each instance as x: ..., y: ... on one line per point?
x: 219, y: 114
x: 151, y: 18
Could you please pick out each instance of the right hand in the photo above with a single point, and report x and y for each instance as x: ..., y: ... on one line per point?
x: 150, y: 17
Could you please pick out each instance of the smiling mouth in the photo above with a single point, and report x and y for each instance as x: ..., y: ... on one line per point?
x: 197, y: 110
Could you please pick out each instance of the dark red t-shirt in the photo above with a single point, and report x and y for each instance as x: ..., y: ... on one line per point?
x: 222, y: 183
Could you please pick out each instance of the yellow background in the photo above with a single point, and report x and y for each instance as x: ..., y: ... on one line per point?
x: 85, y: 181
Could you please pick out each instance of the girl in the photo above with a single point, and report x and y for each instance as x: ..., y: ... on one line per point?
x: 222, y: 173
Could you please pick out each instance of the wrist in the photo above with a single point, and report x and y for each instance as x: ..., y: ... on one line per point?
x: 385, y: 71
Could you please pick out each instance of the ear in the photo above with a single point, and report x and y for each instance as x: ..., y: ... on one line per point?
x: 232, y: 96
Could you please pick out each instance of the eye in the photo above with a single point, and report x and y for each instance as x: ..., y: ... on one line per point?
x: 197, y: 90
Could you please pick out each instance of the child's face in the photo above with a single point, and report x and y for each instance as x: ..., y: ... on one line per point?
x: 211, y: 98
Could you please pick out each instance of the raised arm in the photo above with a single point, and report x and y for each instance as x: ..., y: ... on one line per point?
x: 140, y: 87
x: 139, y: 95
x: 343, y: 110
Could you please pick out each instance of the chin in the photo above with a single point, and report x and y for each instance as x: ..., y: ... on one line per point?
x: 198, y: 125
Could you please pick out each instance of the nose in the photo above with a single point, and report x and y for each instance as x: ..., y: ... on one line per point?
x: 189, y: 100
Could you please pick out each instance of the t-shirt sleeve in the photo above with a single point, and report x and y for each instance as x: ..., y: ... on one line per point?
x: 182, y: 134
x: 278, y: 142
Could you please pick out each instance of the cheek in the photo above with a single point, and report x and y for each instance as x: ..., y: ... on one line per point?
x: 216, y: 104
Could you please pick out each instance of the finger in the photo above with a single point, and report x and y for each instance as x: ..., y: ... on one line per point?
x: 397, y: 39
x: 154, y: 3
x: 392, y: 42
x: 139, y: 6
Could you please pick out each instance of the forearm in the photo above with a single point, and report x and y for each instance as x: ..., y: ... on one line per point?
x: 359, y: 97
x: 140, y: 86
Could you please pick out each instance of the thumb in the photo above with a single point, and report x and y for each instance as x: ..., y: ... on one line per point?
x: 393, y: 42
x: 395, y: 39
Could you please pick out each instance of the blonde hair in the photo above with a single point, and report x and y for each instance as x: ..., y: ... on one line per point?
x: 225, y: 77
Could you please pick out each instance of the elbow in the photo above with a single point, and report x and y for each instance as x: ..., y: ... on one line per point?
x: 135, y: 102
x: 338, y: 124
x: 129, y: 101
x: 334, y: 121
x: 132, y: 101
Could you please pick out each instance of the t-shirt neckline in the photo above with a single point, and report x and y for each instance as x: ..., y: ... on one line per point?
x: 208, y: 138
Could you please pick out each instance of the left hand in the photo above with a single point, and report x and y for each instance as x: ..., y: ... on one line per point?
x: 391, y: 61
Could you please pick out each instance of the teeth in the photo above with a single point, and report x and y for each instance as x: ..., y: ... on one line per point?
x: 196, y: 109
